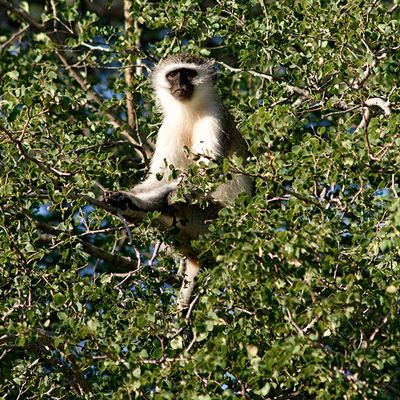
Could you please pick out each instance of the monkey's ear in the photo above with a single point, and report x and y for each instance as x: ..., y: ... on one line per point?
x: 214, y: 69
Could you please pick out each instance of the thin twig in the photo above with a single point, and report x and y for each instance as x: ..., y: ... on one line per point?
x: 130, y: 273
x: 191, y: 307
x: 27, y: 156
x: 105, y: 230
x: 192, y: 342
x: 155, y: 252
x: 394, y: 188
x: 290, y: 88
x: 14, y: 37
x: 378, y: 328
x: 92, y: 95
x: 293, y: 322
x: 127, y: 229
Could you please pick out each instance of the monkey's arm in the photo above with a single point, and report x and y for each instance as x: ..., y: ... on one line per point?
x: 150, y: 195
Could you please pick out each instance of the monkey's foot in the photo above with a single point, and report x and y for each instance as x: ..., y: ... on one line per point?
x: 119, y: 200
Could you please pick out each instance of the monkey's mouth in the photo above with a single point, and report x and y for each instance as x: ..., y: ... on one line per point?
x: 182, y: 94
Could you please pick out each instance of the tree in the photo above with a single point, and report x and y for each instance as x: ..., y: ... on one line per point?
x: 300, y: 299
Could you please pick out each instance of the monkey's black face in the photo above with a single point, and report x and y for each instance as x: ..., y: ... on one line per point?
x: 181, y: 81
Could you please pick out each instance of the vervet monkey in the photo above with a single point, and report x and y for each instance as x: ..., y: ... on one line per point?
x: 196, y: 128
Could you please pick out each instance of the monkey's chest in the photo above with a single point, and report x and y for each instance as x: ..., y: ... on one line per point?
x: 182, y: 155
x: 182, y: 143
x: 175, y: 147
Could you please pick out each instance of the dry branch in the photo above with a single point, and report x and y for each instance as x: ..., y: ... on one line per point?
x: 23, y: 16
x: 129, y: 28
x: 366, y: 118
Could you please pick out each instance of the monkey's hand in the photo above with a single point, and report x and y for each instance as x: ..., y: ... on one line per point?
x: 122, y: 200
x: 140, y: 198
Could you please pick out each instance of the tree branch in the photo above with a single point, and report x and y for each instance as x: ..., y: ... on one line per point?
x: 129, y: 30
x: 365, y: 120
x: 291, y: 88
x: 23, y: 16
x: 293, y: 323
x: 91, y: 94
x: 44, y: 348
x: 14, y: 37
x: 121, y: 263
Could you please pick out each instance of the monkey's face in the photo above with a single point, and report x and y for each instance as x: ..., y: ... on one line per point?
x: 181, y: 82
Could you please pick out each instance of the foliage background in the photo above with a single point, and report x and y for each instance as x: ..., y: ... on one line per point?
x: 301, y: 301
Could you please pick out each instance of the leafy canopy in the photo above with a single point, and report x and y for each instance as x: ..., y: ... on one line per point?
x: 300, y: 299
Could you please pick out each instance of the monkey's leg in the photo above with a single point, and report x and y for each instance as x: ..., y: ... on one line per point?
x: 191, y: 271
x: 182, y: 267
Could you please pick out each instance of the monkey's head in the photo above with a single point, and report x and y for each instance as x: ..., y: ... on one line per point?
x: 185, y: 79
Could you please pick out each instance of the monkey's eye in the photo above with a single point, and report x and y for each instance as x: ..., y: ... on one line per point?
x: 172, y: 74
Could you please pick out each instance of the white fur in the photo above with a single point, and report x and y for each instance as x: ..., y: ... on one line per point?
x: 190, y: 127
x: 183, y: 135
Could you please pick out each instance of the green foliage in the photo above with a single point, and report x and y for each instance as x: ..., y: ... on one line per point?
x: 300, y: 299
